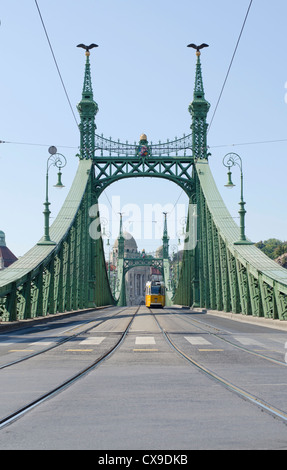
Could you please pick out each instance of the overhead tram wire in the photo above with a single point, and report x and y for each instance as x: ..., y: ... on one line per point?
x: 230, y: 65
x: 56, y: 63
x: 62, y: 81
x: 257, y: 142
x: 225, y: 80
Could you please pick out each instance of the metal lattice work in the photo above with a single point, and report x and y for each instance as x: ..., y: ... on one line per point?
x: 130, y: 263
x: 109, y: 170
x: 168, y: 148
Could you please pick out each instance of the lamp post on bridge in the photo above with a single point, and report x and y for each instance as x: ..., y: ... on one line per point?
x: 58, y: 160
x: 229, y: 160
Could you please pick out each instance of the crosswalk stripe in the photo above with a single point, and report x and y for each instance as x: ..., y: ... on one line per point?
x: 93, y: 340
x: 41, y: 343
x: 145, y: 340
x: 247, y: 341
x: 195, y: 340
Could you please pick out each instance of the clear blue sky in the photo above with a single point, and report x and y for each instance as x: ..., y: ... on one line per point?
x: 143, y: 76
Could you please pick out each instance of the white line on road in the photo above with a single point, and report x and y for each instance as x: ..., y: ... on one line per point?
x: 145, y: 340
x: 93, y: 340
x: 196, y: 340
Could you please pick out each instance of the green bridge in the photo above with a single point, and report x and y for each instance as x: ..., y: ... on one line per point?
x: 220, y: 269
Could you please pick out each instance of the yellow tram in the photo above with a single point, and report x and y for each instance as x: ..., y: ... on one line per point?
x: 155, y: 294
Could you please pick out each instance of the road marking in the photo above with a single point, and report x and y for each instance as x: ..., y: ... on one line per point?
x: 144, y: 350
x: 247, y: 341
x: 77, y: 350
x: 21, y: 350
x: 195, y: 340
x: 15, y: 341
x: 41, y: 343
x: 211, y: 350
x: 93, y: 340
x: 145, y: 340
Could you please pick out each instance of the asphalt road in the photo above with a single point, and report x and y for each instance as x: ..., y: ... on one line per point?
x: 146, y: 395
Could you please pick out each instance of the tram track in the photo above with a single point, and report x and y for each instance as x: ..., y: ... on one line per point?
x: 232, y: 387
x: 237, y: 346
x: 17, y: 414
x: 263, y: 405
x: 196, y: 324
x: 61, y: 341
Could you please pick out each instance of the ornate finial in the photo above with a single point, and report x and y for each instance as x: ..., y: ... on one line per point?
x: 143, y: 137
x: 198, y: 47
x: 87, y: 48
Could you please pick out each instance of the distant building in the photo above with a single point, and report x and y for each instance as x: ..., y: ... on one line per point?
x: 136, y: 278
x: 6, y: 256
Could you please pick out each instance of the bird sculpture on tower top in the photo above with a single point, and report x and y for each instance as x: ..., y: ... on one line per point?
x: 198, y: 47
x: 87, y: 48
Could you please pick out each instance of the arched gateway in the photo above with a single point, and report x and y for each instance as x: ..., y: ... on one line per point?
x: 217, y: 272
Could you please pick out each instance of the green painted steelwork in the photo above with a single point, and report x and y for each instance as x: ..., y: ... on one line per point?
x: 71, y: 274
x: 220, y: 273
x: 216, y: 272
x: 64, y: 277
x: 112, y: 169
x: 237, y: 278
x: 88, y: 109
x: 130, y: 263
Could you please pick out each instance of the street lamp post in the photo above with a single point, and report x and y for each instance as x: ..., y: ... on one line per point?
x: 232, y: 159
x: 58, y: 160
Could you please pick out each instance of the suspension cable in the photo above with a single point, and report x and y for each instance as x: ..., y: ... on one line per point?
x: 233, y: 55
x: 55, y: 60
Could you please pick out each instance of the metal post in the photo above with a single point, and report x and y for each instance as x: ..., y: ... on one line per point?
x: 229, y: 160
x: 58, y: 160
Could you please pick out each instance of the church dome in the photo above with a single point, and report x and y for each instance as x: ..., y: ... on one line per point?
x: 130, y: 243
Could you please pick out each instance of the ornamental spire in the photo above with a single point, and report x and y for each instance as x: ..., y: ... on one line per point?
x: 87, y: 86
x: 198, y: 89
x: 88, y: 109
x: 165, y: 238
x: 198, y: 86
x: 198, y: 110
x: 121, y: 239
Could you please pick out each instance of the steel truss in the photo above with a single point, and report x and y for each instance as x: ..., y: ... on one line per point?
x: 111, y: 169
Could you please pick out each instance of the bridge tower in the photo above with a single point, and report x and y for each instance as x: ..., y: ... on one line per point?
x: 198, y: 109
x: 88, y: 109
x: 188, y: 290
